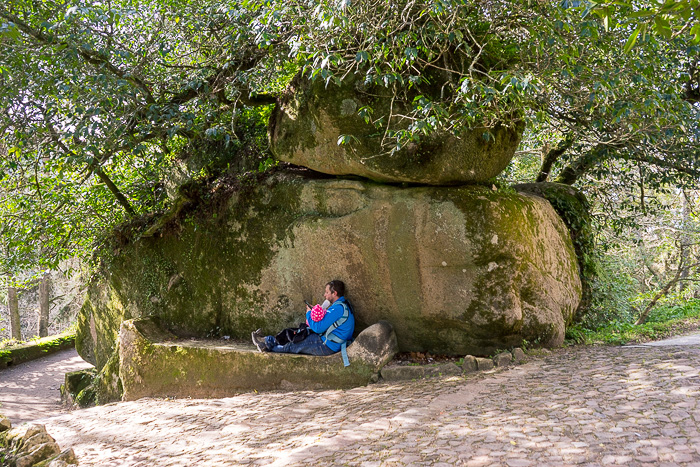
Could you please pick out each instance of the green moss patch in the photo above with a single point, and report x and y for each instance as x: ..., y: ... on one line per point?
x: 574, y: 209
x: 186, y: 368
x: 36, y: 349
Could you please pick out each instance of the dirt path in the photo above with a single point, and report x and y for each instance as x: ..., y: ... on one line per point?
x: 30, y: 391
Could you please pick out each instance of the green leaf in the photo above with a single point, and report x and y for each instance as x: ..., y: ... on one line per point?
x: 10, y: 31
x: 361, y: 56
x: 631, y: 40
x: 411, y: 53
x: 662, y: 27
x: 695, y: 31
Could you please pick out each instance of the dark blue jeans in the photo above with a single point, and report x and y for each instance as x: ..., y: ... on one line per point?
x: 312, y: 345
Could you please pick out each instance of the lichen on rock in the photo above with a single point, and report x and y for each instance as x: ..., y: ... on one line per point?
x: 573, y: 208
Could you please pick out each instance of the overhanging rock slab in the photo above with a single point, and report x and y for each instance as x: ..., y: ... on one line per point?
x: 156, y: 363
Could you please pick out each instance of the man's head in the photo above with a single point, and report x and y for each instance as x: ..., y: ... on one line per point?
x: 334, y: 290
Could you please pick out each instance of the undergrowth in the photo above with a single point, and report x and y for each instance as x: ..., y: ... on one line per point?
x: 664, y: 321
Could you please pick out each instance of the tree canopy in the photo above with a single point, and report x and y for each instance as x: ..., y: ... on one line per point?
x: 102, y: 100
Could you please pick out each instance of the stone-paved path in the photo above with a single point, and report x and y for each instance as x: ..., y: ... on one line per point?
x: 586, y: 406
x: 30, y: 390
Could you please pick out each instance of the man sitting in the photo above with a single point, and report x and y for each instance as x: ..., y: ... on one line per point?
x: 330, y: 333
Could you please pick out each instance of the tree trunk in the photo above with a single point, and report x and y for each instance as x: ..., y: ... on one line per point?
x: 13, y: 303
x: 646, y: 259
x: 43, y: 326
x: 582, y: 164
x: 685, y: 238
x: 115, y: 191
x: 551, y: 156
x: 661, y: 293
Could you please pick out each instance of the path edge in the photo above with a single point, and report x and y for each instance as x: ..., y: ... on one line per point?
x: 36, y: 349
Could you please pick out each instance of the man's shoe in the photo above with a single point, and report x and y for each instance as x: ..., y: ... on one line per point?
x: 259, y: 340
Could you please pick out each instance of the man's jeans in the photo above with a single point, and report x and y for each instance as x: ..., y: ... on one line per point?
x: 312, y: 345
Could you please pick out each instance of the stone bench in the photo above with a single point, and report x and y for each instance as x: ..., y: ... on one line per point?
x: 156, y: 363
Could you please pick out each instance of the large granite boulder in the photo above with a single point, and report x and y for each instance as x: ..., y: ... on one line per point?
x: 310, y: 118
x: 460, y: 270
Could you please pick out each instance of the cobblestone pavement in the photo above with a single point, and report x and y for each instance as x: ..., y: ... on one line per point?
x: 586, y: 406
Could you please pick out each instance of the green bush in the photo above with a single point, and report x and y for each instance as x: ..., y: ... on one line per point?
x: 613, y: 291
x: 671, y: 311
x: 667, y: 319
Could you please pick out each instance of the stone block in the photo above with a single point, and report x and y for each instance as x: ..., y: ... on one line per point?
x: 484, y: 364
x: 65, y: 458
x: 402, y: 372
x: 17, y: 435
x: 449, y: 369
x: 502, y: 359
x: 469, y: 364
x: 36, y: 440
x: 519, y: 355
x: 31, y: 445
x: 5, y: 423
x: 75, y: 382
x: 154, y: 363
x: 39, y: 453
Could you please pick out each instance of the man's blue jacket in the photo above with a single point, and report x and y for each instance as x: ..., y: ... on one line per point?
x: 334, y: 312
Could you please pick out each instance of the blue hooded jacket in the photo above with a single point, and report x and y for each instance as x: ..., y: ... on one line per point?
x: 334, y: 312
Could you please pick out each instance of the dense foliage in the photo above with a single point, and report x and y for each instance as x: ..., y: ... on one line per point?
x: 104, y: 105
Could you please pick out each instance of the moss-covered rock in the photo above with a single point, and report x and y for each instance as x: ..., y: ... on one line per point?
x: 87, y: 397
x: 574, y: 209
x: 85, y: 388
x: 35, y: 349
x: 5, y: 423
x: 108, y: 385
x: 74, y: 383
x: 155, y: 362
x: 461, y: 270
x: 31, y: 445
x: 308, y: 121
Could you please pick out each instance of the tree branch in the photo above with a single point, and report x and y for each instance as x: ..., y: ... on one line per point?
x: 89, y: 56
x: 97, y: 170
x: 666, y: 164
x: 661, y: 293
x: 581, y: 165
x: 114, y: 189
x: 552, y: 156
x: 251, y: 60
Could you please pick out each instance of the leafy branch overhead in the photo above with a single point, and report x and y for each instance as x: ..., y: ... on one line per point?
x: 101, y: 102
